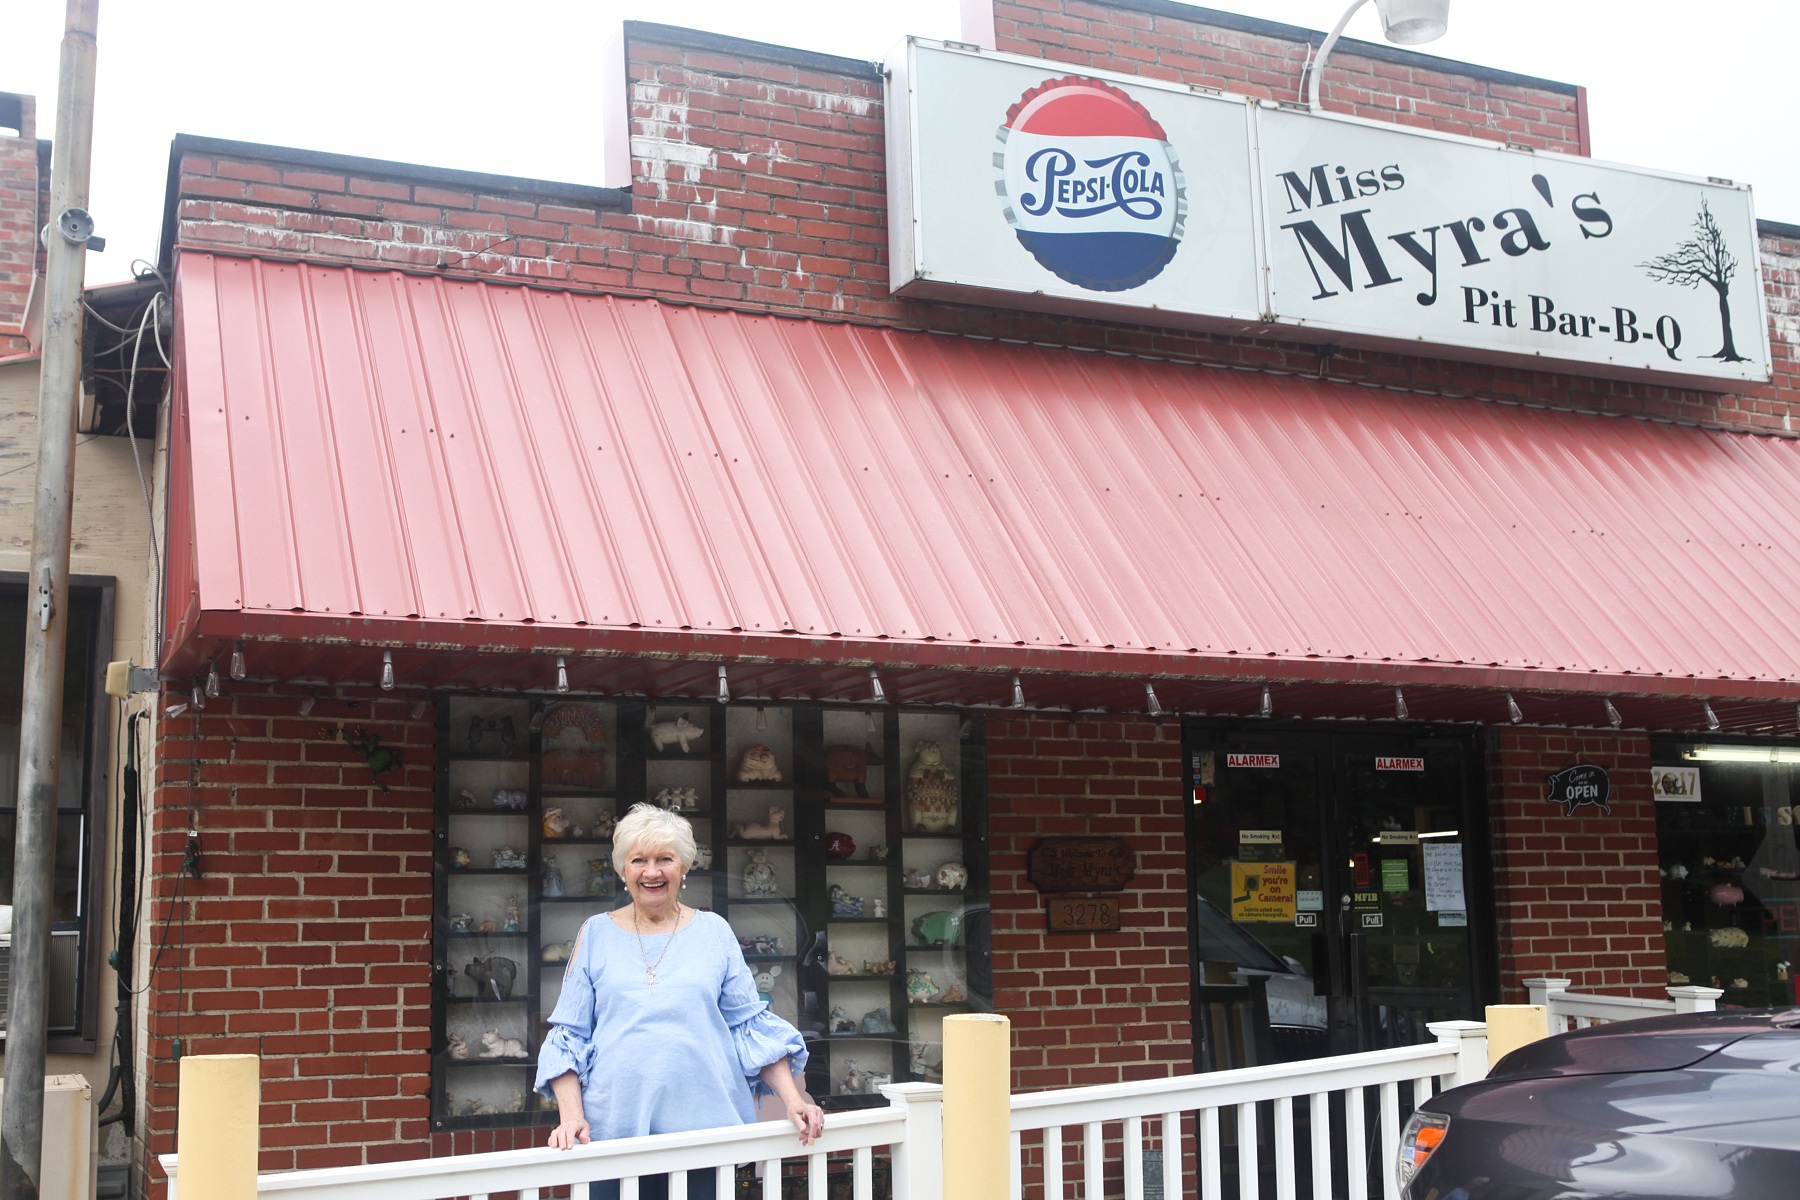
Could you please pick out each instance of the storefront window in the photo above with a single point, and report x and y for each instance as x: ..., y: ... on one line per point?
x: 71, y: 884
x: 1726, y: 818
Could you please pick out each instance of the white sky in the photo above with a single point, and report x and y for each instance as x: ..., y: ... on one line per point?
x: 1705, y: 87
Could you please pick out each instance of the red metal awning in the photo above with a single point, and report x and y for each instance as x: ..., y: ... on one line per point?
x: 474, y: 476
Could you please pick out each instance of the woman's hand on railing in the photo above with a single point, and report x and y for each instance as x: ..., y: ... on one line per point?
x: 569, y: 1133
x: 808, y: 1118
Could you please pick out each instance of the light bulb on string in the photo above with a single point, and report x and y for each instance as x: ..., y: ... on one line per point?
x: 307, y: 701
x: 418, y: 710
x: 1400, y: 712
x: 1712, y: 718
x: 1268, y: 703
x: 876, y: 691
x: 724, y: 686
x: 1513, y: 712
x: 562, y: 674
x: 212, y: 680
x: 1153, y: 705
x: 1612, y: 714
x: 198, y: 697
x: 762, y: 718
x: 387, y: 670
x: 1018, y: 693
x: 237, y: 660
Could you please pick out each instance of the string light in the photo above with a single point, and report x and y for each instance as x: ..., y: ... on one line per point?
x: 562, y: 674
x: 418, y: 710
x: 1018, y: 690
x: 1153, y: 705
x: 1268, y: 704
x: 199, y: 697
x: 1612, y: 714
x: 237, y: 660
x: 1712, y: 718
x: 762, y: 718
x: 1399, y: 705
x: 212, y: 679
x: 724, y: 686
x: 176, y: 709
x: 387, y: 670
x: 1512, y: 709
x: 307, y: 701
x: 878, y: 692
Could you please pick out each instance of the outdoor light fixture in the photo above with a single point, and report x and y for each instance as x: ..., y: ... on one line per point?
x: 562, y: 674
x: 387, y: 670
x: 1154, y: 705
x: 877, y: 692
x: 1513, y: 711
x: 724, y: 686
x: 1612, y: 714
x: 1744, y: 754
x: 418, y: 710
x: 1399, y: 705
x: 1018, y: 693
x: 198, y: 697
x: 212, y: 679
x: 1712, y: 718
x: 307, y: 701
x: 237, y: 660
x: 1268, y: 705
x: 175, y: 709
x: 1403, y: 22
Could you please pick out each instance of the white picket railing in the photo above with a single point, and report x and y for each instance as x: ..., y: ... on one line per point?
x: 913, y: 1122
x: 1566, y: 1010
x: 1340, y: 1095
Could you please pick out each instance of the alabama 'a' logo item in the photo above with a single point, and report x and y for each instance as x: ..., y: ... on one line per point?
x: 1091, y: 184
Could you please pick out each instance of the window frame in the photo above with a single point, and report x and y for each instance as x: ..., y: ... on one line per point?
x: 96, y: 805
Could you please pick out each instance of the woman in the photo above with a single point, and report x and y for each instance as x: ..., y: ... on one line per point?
x: 658, y: 1028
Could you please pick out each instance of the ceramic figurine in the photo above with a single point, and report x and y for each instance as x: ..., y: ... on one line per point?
x: 493, y: 976
x: 555, y: 824
x: 953, y: 877
x: 839, y: 845
x: 878, y: 966
x: 603, y: 824
x: 874, y: 1081
x: 847, y: 766
x: 1728, y: 939
x: 599, y: 882
x: 679, y: 732
x: 915, y: 879
x: 852, y: 1081
x: 461, y: 859
x: 495, y: 1046
x: 1725, y: 895
x: 878, y: 907
x: 456, y: 1048
x: 466, y: 799
x: 920, y: 988
x: 488, y: 926
x: 878, y: 853
x: 518, y: 1101
x: 1677, y: 978
x: 510, y: 916
x: 500, y: 727
x: 758, y: 766
x: 462, y: 923
x: 837, y: 964
x: 1781, y: 970
x: 508, y: 859
x: 555, y: 952
x: 953, y: 995
x: 931, y: 796
x: 574, y: 743
x: 770, y: 832
x: 843, y: 904
x: 677, y: 799
x: 916, y: 1066
x: 512, y: 798
x: 940, y: 928
x: 702, y: 858
x: 759, y: 875
x: 1740, y: 982
x: 838, y: 1022
x: 553, y: 884
x: 765, y: 981
x: 876, y: 1020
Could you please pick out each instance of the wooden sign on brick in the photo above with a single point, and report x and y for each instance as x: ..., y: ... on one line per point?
x: 1081, y: 864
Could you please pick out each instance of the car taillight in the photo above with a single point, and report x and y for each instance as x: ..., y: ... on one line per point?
x: 1423, y: 1135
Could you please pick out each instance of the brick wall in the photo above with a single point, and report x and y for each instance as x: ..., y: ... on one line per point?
x: 308, y: 939
x: 21, y: 202
x: 1090, y: 1008
x: 759, y: 183
x: 1577, y: 896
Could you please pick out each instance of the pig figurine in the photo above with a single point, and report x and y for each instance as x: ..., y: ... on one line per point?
x: 680, y: 731
x: 493, y: 976
x: 495, y: 1046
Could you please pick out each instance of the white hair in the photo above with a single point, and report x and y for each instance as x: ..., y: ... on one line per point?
x: 647, y: 826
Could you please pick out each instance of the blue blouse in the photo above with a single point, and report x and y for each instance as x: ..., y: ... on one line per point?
x: 685, y: 1054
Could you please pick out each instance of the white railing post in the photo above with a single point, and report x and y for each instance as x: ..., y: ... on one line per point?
x: 1691, y: 999
x: 1469, y: 1040
x: 1544, y: 990
x: 919, y: 1157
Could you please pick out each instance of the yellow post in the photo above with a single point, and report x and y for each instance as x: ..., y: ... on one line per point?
x: 1513, y: 1025
x: 216, y: 1126
x: 977, y: 1107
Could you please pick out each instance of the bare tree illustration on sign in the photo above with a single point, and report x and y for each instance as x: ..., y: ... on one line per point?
x: 1703, y: 259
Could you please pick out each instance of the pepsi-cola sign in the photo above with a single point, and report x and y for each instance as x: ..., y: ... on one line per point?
x: 1128, y: 198
x: 1091, y: 185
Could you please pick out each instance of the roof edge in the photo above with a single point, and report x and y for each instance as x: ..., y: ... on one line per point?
x: 702, y: 39
x: 1780, y: 229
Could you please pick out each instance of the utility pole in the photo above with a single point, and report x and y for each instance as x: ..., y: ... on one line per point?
x: 46, y: 624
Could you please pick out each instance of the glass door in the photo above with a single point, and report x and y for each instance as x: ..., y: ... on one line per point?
x: 1339, y: 889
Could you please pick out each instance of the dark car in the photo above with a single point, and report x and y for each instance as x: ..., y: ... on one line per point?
x: 1689, y: 1106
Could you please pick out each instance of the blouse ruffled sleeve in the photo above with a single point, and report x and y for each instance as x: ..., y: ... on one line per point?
x: 758, y: 1036
x: 570, y: 1046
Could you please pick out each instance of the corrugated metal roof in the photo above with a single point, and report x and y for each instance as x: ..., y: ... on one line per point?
x: 412, y: 451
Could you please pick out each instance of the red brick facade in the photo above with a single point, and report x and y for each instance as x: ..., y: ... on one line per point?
x: 758, y: 184
x: 24, y: 199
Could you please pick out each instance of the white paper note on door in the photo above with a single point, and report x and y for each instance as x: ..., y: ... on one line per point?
x: 1444, y: 877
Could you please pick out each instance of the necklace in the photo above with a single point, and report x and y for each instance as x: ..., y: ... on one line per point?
x: 650, y: 967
